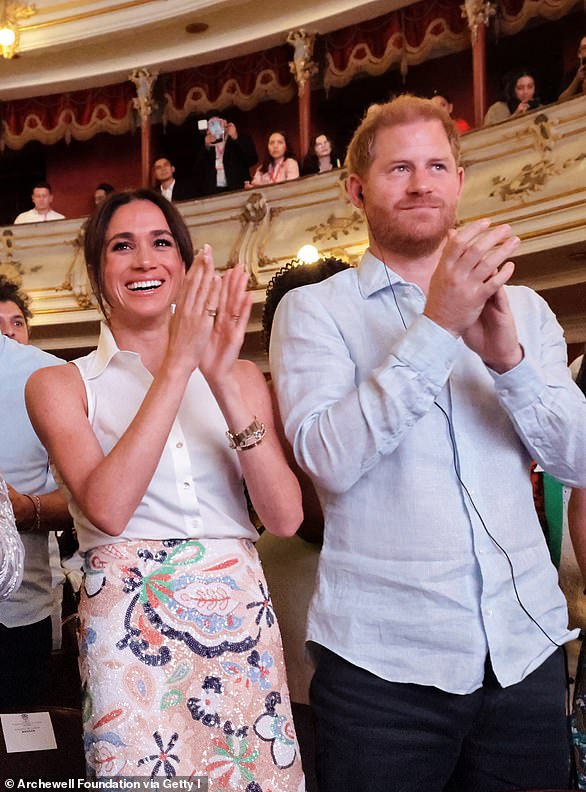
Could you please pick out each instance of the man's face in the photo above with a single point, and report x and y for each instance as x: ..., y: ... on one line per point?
x: 163, y: 170
x: 12, y: 322
x: 99, y: 197
x: 42, y: 199
x: 411, y: 189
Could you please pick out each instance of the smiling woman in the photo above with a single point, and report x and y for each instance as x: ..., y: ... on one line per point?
x: 108, y: 236
x: 181, y: 656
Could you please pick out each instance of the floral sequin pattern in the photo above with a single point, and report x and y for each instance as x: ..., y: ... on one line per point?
x: 277, y: 729
x: 182, y: 667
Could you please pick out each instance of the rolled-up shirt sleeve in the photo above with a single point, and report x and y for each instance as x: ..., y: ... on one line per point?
x: 546, y: 407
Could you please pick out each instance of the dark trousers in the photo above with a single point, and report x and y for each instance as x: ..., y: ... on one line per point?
x: 379, y: 736
x: 24, y: 664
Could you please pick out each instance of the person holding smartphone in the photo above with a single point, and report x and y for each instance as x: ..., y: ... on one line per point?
x: 225, y: 160
x: 520, y: 98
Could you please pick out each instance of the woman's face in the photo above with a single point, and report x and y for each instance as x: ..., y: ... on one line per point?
x: 142, y: 267
x: 277, y: 145
x: 323, y: 147
x: 525, y: 88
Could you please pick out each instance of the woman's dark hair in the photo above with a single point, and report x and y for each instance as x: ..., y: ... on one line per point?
x: 97, y: 228
x: 511, y: 83
x: 581, y: 378
x: 292, y: 275
x: 267, y: 159
x: 10, y: 292
x: 311, y: 161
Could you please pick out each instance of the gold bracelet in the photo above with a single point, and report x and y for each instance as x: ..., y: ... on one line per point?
x: 249, y: 437
x: 36, y: 521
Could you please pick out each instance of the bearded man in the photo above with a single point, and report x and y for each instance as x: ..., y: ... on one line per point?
x: 415, y: 390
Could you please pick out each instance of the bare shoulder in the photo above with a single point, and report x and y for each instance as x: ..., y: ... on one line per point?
x: 54, y: 378
x: 53, y: 384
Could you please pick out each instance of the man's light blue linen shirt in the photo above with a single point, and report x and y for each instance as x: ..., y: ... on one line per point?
x: 24, y: 465
x: 411, y: 585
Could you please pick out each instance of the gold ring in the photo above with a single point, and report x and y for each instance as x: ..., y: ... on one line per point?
x: 211, y: 312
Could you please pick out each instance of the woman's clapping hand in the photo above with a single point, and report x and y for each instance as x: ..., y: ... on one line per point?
x: 227, y: 335
x: 195, y: 311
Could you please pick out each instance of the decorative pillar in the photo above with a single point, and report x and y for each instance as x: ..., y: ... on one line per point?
x: 303, y: 68
x: 478, y: 14
x: 144, y: 80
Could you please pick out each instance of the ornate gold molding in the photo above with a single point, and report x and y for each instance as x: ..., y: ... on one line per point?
x: 477, y: 13
x: 336, y: 226
x: 533, y: 176
x: 144, y: 80
x: 302, y: 66
x: 249, y: 247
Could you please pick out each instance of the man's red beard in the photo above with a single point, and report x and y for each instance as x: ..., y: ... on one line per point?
x: 397, y: 233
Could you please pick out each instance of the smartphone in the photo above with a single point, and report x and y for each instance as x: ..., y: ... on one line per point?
x: 216, y: 129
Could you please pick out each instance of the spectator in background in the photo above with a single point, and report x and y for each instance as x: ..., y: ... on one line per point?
x: 224, y: 162
x: 14, y: 312
x: 101, y: 192
x: 443, y: 100
x: 278, y: 165
x: 42, y: 197
x: 173, y: 189
x: 39, y: 507
x: 321, y: 156
x: 575, y: 82
x: 519, y: 98
x: 290, y: 564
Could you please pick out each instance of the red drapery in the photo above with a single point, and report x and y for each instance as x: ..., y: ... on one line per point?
x: 407, y: 36
x: 243, y: 82
x: 515, y: 14
x: 417, y: 32
x: 78, y: 114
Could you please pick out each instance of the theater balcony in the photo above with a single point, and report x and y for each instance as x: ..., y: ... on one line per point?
x: 530, y: 172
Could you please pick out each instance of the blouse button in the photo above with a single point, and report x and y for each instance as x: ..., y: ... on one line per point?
x: 179, y: 445
x: 186, y: 484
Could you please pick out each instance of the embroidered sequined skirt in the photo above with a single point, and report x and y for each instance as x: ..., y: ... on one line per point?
x: 182, y: 666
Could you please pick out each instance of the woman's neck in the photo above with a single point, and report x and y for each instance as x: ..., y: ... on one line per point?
x: 148, y: 338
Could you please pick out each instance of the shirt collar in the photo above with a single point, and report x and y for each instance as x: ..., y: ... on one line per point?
x: 106, y: 351
x: 374, y: 275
